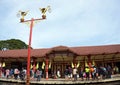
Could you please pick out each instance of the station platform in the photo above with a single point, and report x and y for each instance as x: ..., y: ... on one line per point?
x: 115, y: 78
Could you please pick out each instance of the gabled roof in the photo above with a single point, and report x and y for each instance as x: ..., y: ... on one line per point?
x: 60, y: 48
x: 84, y: 50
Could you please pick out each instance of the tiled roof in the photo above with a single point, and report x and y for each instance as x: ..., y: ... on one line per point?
x: 93, y: 50
x: 60, y: 48
x: 23, y: 53
x: 84, y: 50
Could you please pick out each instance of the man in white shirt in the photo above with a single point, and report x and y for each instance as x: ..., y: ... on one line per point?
x: 75, y: 72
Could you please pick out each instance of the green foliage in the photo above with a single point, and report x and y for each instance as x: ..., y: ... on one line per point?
x: 12, y: 44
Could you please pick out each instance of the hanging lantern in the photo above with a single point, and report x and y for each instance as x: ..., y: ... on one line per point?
x: 72, y: 65
x: 31, y: 66
x: 50, y: 65
x: 93, y: 62
x: 37, y: 66
x: 78, y: 64
x: 3, y: 65
x: 43, y: 64
x: 86, y: 65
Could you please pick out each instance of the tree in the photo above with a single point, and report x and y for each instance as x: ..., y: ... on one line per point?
x: 12, y: 44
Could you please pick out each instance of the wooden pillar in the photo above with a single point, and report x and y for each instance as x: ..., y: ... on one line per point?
x: 103, y: 63
x: 113, y: 61
x: 74, y: 60
x: 34, y: 65
x: 62, y: 71
x: 84, y: 61
x: 52, y: 66
x: 89, y: 60
x: 46, y: 67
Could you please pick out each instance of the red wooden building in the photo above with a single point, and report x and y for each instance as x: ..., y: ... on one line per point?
x: 60, y: 57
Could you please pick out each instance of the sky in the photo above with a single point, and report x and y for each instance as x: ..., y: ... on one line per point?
x: 71, y: 22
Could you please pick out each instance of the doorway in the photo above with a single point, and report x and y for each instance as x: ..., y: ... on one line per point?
x: 60, y: 66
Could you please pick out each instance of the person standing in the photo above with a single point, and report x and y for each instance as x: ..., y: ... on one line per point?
x: 58, y: 73
x: 39, y: 74
x: 81, y: 74
x: 87, y: 71
x: 16, y: 73
x: 66, y: 73
x: 70, y: 72
x: 7, y: 73
x: 75, y: 73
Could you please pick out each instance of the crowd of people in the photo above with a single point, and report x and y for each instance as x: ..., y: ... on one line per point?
x: 35, y: 74
x: 91, y: 72
x: 84, y: 73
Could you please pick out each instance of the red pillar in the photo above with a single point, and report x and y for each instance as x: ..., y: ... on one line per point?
x: 90, y: 65
x: 34, y: 65
x: 46, y: 68
x: 89, y: 60
x: 29, y: 53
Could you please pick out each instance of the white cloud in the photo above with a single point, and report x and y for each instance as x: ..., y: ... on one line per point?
x: 71, y: 22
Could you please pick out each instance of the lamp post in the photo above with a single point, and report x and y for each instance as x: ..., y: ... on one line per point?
x: 23, y: 14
